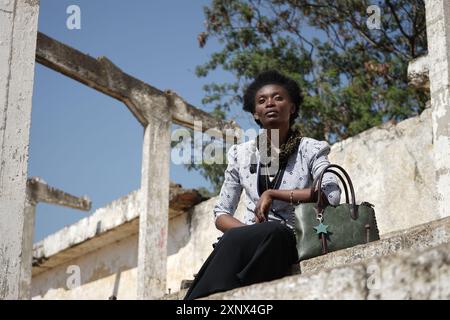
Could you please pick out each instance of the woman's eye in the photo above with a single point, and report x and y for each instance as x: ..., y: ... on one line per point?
x: 279, y: 98
x: 261, y: 101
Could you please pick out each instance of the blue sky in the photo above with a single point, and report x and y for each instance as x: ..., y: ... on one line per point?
x: 86, y: 143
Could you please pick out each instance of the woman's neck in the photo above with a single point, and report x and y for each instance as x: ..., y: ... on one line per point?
x: 282, y: 136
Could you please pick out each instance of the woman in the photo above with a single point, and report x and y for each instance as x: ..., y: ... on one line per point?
x: 263, y: 246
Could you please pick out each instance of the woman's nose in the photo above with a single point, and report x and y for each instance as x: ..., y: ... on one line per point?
x: 270, y: 102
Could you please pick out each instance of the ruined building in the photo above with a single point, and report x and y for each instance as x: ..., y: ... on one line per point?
x: 129, y: 250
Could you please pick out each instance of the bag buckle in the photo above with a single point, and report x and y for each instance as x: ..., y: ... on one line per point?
x: 319, y: 217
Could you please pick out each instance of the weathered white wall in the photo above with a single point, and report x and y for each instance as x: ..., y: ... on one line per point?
x: 103, y: 246
x: 392, y: 167
x: 103, y: 273
x: 114, y: 222
x: 18, y: 30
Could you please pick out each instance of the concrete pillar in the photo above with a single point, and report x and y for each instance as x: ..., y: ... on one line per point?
x: 438, y: 33
x: 154, y: 216
x: 18, y: 25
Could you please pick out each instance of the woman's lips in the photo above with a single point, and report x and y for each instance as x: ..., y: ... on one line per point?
x: 271, y: 114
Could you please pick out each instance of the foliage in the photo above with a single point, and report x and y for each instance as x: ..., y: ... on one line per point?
x: 353, y: 77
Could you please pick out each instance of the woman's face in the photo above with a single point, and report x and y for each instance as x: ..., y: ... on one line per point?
x: 273, y: 106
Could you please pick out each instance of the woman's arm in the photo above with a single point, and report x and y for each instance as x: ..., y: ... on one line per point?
x: 226, y: 221
x: 298, y: 195
x: 318, y: 154
x: 230, y: 194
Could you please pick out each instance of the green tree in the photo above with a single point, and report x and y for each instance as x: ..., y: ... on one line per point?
x: 353, y: 77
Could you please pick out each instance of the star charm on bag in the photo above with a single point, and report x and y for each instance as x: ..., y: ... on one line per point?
x: 321, y: 228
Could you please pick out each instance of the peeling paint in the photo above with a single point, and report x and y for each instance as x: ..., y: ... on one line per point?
x: 99, y: 272
x: 417, y: 176
x: 441, y: 172
x: 442, y: 125
x: 32, y: 3
x: 162, y: 238
x: 4, y: 273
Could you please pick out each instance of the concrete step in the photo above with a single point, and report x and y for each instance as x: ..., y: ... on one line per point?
x: 179, y: 295
x: 423, y: 236
x: 410, y: 274
x: 355, y: 264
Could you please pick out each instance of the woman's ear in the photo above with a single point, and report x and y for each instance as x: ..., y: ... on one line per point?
x: 255, y: 115
x: 292, y: 109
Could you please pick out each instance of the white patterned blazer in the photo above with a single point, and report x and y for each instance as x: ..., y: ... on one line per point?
x: 301, y: 169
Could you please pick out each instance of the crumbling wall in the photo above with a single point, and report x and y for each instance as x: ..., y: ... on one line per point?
x: 106, y: 272
x: 392, y: 167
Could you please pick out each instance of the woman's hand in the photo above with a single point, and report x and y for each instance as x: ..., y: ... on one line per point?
x: 263, y: 206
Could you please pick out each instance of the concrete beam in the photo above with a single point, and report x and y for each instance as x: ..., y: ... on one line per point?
x: 18, y: 25
x: 102, y: 75
x: 418, y: 73
x: 39, y: 191
x: 438, y: 33
x: 185, y: 115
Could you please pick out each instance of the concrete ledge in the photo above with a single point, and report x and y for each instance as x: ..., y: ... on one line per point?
x: 413, y: 274
x: 179, y: 295
x: 421, y: 237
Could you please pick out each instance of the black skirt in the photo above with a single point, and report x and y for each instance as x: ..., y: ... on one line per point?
x: 246, y: 255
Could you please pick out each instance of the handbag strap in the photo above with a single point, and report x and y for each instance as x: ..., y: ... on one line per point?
x: 347, y: 199
x: 320, y: 204
x: 316, y: 180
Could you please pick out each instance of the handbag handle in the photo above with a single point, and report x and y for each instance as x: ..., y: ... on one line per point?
x: 314, y: 184
x: 347, y: 199
x: 354, y: 208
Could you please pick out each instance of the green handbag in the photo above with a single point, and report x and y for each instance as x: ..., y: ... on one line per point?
x: 321, y: 228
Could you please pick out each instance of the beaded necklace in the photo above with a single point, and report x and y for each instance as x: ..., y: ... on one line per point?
x: 286, y: 149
